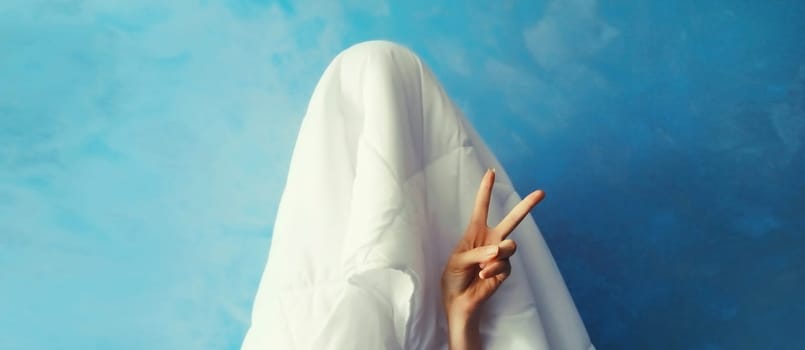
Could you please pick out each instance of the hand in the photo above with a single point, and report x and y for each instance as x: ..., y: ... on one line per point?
x: 480, y: 262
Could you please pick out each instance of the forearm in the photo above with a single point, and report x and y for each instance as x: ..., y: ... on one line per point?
x: 463, y: 333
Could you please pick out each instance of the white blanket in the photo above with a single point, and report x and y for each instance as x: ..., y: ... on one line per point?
x: 380, y: 189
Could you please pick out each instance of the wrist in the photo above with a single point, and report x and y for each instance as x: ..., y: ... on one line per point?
x: 463, y: 332
x: 462, y: 324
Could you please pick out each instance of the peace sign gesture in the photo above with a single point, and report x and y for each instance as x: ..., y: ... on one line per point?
x: 480, y: 262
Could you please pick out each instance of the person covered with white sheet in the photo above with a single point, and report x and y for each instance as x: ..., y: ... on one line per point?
x: 382, y: 240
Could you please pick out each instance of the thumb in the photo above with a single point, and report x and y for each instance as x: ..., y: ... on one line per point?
x: 475, y: 256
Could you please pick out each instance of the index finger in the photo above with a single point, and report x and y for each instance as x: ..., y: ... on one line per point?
x: 479, y: 213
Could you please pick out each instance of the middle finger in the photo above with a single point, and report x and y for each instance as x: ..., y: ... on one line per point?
x: 518, y: 213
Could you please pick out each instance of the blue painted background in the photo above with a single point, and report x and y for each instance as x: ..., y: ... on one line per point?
x: 144, y: 145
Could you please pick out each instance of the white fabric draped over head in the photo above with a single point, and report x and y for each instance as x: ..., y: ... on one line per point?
x: 380, y: 188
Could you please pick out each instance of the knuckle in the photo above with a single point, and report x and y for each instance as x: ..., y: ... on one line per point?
x: 502, y: 277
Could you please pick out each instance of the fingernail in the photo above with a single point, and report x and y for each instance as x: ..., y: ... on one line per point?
x: 481, y: 275
x: 491, y: 251
x: 493, y: 170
